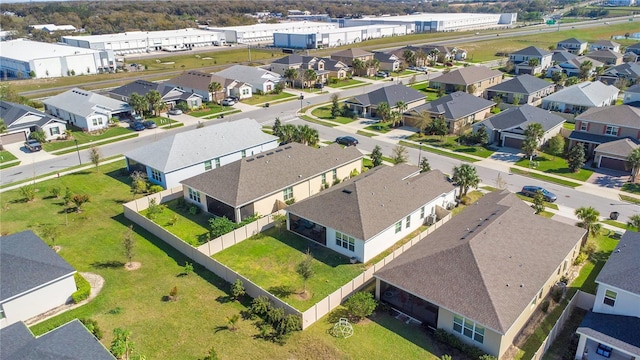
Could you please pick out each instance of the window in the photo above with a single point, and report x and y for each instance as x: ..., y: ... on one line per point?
x: 194, y: 195
x: 584, y: 125
x: 323, y: 178
x: 408, y: 222
x: 2, y: 315
x: 245, y: 91
x: 207, y: 165
x: 288, y: 193
x: 612, y: 130
x: 468, y: 328
x: 422, y: 213
x: 243, y: 153
x: 335, y: 174
x: 398, y: 226
x: 610, y: 297
x: 54, y: 130
x: 345, y: 241
x: 217, y: 162
x: 194, y: 103
x: 156, y: 175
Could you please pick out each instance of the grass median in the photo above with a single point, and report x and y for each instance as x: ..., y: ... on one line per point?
x: 546, y: 178
x: 439, y: 152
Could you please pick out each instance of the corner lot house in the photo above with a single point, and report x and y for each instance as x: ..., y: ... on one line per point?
x: 177, y: 157
x: 573, y: 46
x: 21, y: 120
x: 578, y: 98
x: 34, y: 278
x: 71, y: 341
x: 507, y: 128
x: 171, y: 95
x: 197, y: 82
x: 85, y: 109
x: 476, y: 78
x: 522, y: 59
x: 475, y: 278
x: 367, y: 214
x: 261, y: 80
x: 265, y: 183
x: 612, y: 329
x: 366, y: 105
x: 526, y: 89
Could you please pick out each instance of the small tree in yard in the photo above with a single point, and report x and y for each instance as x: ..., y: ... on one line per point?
x: 121, y: 346
x: 129, y: 243
x: 220, y: 226
x: 555, y: 145
x: 532, y: 135
x: 55, y: 191
x: 95, y: 156
x: 28, y: 192
x: 279, y: 221
x: 589, y: 218
x: 51, y: 232
x: 154, y: 209
x: 305, y: 270
x: 237, y: 289
x: 139, y: 182
x: 424, y: 165
x: 633, y: 161
x: 575, y: 158
x: 335, y: 107
x: 466, y: 177
x: 538, y: 202
x: 173, y: 294
x: 78, y: 200
x: 361, y: 305
x: 188, y: 268
x: 212, y: 355
x: 400, y: 155
x: 232, y: 321
x: 376, y: 156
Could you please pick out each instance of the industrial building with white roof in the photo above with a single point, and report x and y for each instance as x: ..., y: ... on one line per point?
x: 263, y: 33
x: 335, y: 37
x: 435, y: 22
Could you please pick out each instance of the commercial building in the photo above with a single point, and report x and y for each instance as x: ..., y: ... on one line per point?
x: 434, y: 22
x: 24, y: 58
x: 335, y: 37
x: 263, y: 33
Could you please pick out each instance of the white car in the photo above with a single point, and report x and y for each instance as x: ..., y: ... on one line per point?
x: 175, y: 111
x: 228, y: 102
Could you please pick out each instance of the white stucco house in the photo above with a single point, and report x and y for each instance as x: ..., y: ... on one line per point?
x: 369, y: 213
x: 35, y: 279
x: 183, y: 155
x: 22, y: 120
x: 578, y: 98
x: 260, y: 79
x: 521, y: 59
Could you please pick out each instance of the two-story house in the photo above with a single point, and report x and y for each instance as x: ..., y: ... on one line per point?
x: 605, y: 45
x: 632, y: 96
x: 530, y: 60
x: 302, y: 64
x: 578, y: 98
x: 199, y: 83
x: 388, y: 62
x: 572, y: 67
x: 349, y: 55
x: 627, y: 72
x: 471, y: 79
x: 606, y: 56
x: 573, y: 46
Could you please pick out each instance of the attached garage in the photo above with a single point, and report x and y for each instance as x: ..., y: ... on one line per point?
x: 512, y: 142
x: 13, y: 138
x: 612, y: 163
x: 612, y: 155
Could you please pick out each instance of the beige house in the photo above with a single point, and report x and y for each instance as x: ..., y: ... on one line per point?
x: 267, y: 182
x: 472, y: 79
x: 302, y: 64
x: 349, y: 55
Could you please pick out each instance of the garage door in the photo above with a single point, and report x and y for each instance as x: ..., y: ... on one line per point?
x: 13, y: 138
x: 512, y: 142
x: 614, y: 164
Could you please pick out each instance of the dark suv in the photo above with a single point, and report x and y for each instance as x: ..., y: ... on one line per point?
x: 33, y: 145
x: 531, y: 191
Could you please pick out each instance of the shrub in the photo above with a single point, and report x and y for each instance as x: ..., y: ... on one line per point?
x: 55, y: 191
x: 220, y: 226
x: 194, y: 210
x: 556, y: 294
x: 466, y: 200
x: 173, y: 294
x: 290, y: 201
x: 93, y: 328
x: 155, y: 189
x: 453, y: 341
x: 581, y: 258
x: 544, y: 306
x: 589, y: 248
x: 361, y: 304
x: 445, y: 357
x: 260, y: 306
x: 487, y: 357
x: 288, y: 324
x: 237, y: 289
x: 83, y: 286
x: 188, y: 268
x: 28, y: 192
x: 275, y: 315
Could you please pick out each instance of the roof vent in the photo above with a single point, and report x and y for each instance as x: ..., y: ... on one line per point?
x: 300, y: 176
x: 270, y: 153
x: 507, y: 285
x: 521, y: 285
x: 260, y: 156
x: 346, y: 191
x: 248, y: 160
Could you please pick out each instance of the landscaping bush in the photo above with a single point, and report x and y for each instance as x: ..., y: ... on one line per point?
x: 361, y: 304
x: 237, y: 289
x: 260, y: 306
x: 194, y: 210
x: 556, y: 294
x: 93, y: 328
x: 581, y: 258
x: 276, y: 325
x: 453, y: 341
x: 544, y: 306
x: 83, y: 286
x: 155, y: 189
x: 466, y: 200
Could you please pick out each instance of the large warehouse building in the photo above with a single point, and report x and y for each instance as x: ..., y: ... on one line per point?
x: 336, y: 37
x: 434, y: 22
x: 23, y: 58
x: 263, y: 33
x: 134, y: 42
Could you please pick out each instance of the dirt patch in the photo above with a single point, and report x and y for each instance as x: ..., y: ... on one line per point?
x: 57, y: 248
x: 303, y: 295
x: 132, y: 266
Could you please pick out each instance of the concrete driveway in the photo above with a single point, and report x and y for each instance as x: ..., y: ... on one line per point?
x: 606, y: 178
x: 25, y: 156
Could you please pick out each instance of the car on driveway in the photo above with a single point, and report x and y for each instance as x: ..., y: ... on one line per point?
x: 531, y: 191
x: 382, y: 74
x: 33, y: 145
x: 150, y: 124
x: 175, y: 111
x: 137, y: 126
x: 347, y: 140
x: 228, y: 102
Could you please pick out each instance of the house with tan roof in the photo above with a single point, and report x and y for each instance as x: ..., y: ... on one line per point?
x: 471, y: 79
x: 349, y: 55
x: 474, y: 279
x: 267, y: 182
x: 369, y: 213
x: 198, y: 82
x: 606, y: 56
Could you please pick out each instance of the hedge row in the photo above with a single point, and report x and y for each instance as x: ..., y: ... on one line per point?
x: 83, y: 286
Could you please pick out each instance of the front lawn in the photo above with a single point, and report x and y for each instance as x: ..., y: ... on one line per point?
x: 85, y: 137
x: 434, y: 150
x: 345, y: 83
x: 605, y: 243
x: 555, y: 165
x: 256, y: 99
x: 162, y: 121
x: 381, y: 127
x: 210, y: 109
x: 550, y: 179
x: 193, y: 229
x: 431, y: 94
x: 270, y: 259
x: 324, y: 113
x: 6, y: 156
x: 450, y: 142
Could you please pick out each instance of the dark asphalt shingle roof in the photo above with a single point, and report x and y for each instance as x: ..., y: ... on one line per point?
x: 521, y: 116
x: 620, y: 147
x: 634, y: 89
x: 621, y: 115
x: 389, y: 94
x: 352, y: 53
x: 522, y: 84
x: 26, y: 262
x: 572, y: 41
x: 255, y: 177
x: 628, y: 70
x: 455, y: 105
x: 531, y: 51
x: 606, y: 53
x: 560, y: 56
x: 142, y: 87
x: 468, y: 75
x: 366, y: 205
x: 290, y: 60
x: 584, y: 136
x: 71, y: 341
x: 474, y: 266
x: 200, y: 80
x: 12, y: 112
x: 622, y: 332
x: 622, y: 269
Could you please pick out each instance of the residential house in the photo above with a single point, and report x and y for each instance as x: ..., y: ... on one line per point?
x: 71, y: 341
x: 632, y: 96
x: 611, y: 329
x: 530, y: 60
x: 174, y: 158
x: 605, y: 124
x: 613, y: 154
x: 572, y: 67
x: 459, y: 110
x: 481, y: 275
x: 261, y: 80
x: 573, y: 46
x: 85, y: 109
x: 267, y: 182
x: 35, y: 279
x: 302, y: 64
x: 349, y: 55
x: 580, y: 97
x: 605, y: 45
x: 472, y: 79
x: 627, y: 72
x: 388, y: 62
x: 606, y: 56
x: 366, y: 105
x: 507, y: 128
x: 171, y: 95
x: 560, y: 56
x: 635, y: 48
x: 441, y: 52
x: 198, y: 82
x: 337, y: 69
x: 369, y: 213
x: 22, y: 120
x: 522, y: 89
x: 630, y: 57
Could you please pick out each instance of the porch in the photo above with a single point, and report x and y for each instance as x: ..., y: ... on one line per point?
x: 409, y: 304
x: 593, y: 350
x: 308, y: 229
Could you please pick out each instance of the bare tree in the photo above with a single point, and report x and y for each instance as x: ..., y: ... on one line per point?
x: 129, y: 243
x: 95, y: 156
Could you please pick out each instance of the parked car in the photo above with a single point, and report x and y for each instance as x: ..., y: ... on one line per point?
x: 175, y: 111
x: 228, y: 102
x: 136, y: 118
x: 382, y: 74
x: 531, y: 191
x: 318, y: 85
x: 137, y: 126
x: 347, y: 140
x: 150, y: 124
x: 33, y: 145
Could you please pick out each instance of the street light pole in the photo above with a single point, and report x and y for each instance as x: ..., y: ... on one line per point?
x: 78, y: 151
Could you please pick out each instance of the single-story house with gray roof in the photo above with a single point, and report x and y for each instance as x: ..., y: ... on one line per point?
x: 474, y: 279
x: 366, y: 105
x: 198, y: 82
x: 171, y: 95
x: 632, y: 96
x: 580, y: 97
x: 526, y: 89
x: 459, y: 109
x: 183, y: 155
x: 629, y: 72
x: 507, y: 128
x: 611, y: 330
x: 35, y: 279
x: 267, y: 182
x: 261, y: 80
x: 21, y: 120
x: 369, y: 213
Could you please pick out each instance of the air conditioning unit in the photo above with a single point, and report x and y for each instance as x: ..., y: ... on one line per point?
x: 431, y: 219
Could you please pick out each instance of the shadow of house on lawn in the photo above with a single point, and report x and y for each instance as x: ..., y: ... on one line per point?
x: 319, y: 252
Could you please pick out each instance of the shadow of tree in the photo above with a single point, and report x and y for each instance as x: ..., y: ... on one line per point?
x: 112, y: 264
x: 224, y: 299
x: 281, y: 290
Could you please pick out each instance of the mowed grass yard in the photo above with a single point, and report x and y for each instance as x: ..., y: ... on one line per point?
x: 324, y: 113
x: 85, y: 138
x: 189, y: 327
x: 555, y: 165
x: 256, y: 99
x: 270, y: 261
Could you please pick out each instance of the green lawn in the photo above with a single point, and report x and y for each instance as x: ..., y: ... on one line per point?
x: 193, y: 229
x: 270, y: 260
x: 431, y: 94
x: 259, y: 99
x: 555, y: 165
x: 319, y: 122
x: 162, y: 121
x: 630, y: 199
x: 345, y: 83
x: 324, y: 113
x: 381, y: 127
x: 365, y: 133
x: 618, y: 224
x: 84, y: 138
x: 6, y: 156
x: 439, y: 152
x: 569, y: 126
x: 450, y: 142
x: 544, y: 177
x: 546, y: 204
x: 210, y: 110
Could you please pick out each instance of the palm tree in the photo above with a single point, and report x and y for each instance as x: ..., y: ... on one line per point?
x: 532, y: 135
x: 384, y: 111
x: 288, y: 133
x: 155, y: 100
x: 533, y: 62
x: 139, y: 103
x: 634, y: 222
x: 402, y: 107
x: 466, y: 177
x: 589, y: 219
x: 372, y: 64
x: 309, y: 75
x: 585, y: 69
x: 633, y: 161
x: 409, y: 57
x: 358, y: 66
x: 308, y: 135
x: 291, y: 75
x: 214, y: 88
x: 424, y: 121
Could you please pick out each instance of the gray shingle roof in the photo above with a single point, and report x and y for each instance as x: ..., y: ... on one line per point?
x: 622, y: 115
x: 634, y: 46
x: 468, y: 75
x: 587, y: 94
x: 455, y: 105
x: 531, y: 51
x: 390, y: 94
x: 366, y: 205
x: 521, y: 116
x: 142, y: 87
x: 195, y: 146
x: 620, y: 147
x: 604, y: 54
x: 605, y: 43
x: 84, y: 103
x: 571, y: 41
x: 619, y: 331
x: 473, y: 265
x: 248, y: 74
x: 352, y: 53
x: 633, y: 89
x: 560, y: 56
x: 583, y: 136
x: 628, y: 70
x: 199, y: 80
x: 28, y: 116
x: 71, y: 341
x: 384, y: 57
x: 622, y: 269
x: 26, y: 262
x: 254, y: 177
x: 290, y: 60
x: 522, y: 84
